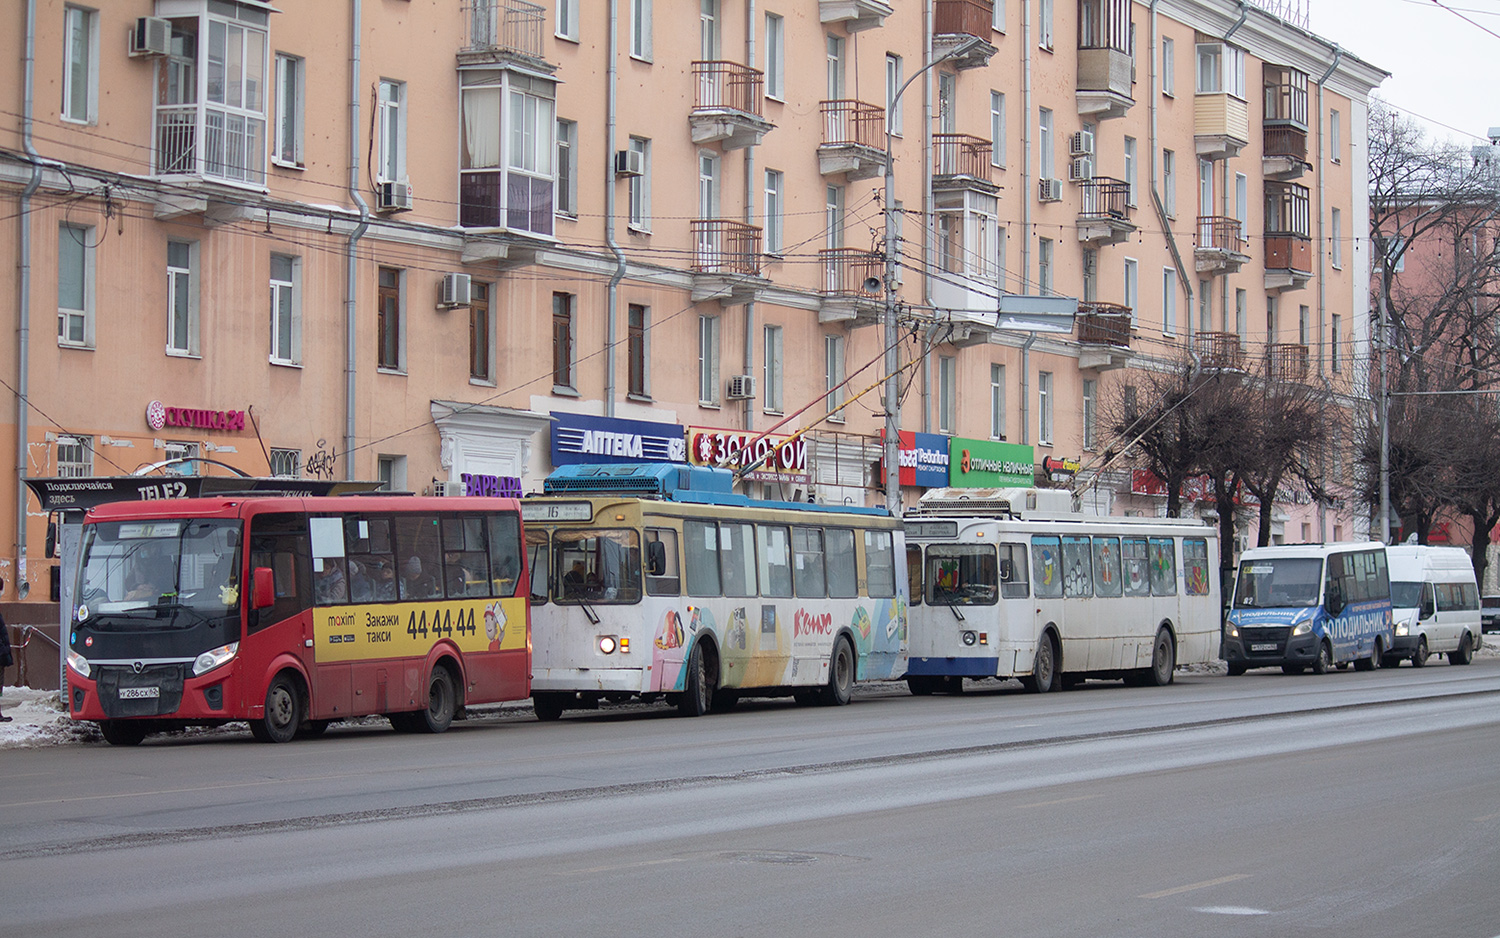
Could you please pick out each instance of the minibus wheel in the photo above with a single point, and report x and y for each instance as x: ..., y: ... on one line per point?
x: 1419, y: 657
x: 1324, y: 663
x: 283, y: 715
x: 122, y: 732
x: 1465, y: 652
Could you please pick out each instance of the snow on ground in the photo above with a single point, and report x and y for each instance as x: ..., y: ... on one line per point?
x: 38, y: 717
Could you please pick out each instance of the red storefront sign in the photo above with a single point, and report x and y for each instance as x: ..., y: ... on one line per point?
x: 776, y: 458
x: 159, y: 415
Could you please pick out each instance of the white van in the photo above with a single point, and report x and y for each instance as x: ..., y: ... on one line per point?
x: 1435, y: 603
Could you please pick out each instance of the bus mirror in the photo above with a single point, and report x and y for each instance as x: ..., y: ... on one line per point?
x: 656, y: 558
x: 262, y: 588
x: 1429, y: 608
x: 1007, y: 570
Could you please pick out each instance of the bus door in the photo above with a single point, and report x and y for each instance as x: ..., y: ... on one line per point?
x: 278, y: 542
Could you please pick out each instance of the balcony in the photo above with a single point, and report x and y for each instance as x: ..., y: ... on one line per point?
x: 1284, y: 155
x: 1221, y: 125
x: 856, y: 15
x: 1286, y: 362
x: 958, y: 22
x: 1221, y: 245
x: 500, y: 30
x: 726, y: 106
x: 1103, y: 335
x: 1106, y: 71
x: 846, y: 273
x: 853, y: 140
x: 1287, y: 240
x: 1220, y: 352
x: 1104, y: 212
x: 961, y: 161
x: 726, y: 261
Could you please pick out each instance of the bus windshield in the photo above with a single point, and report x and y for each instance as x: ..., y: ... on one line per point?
x: 168, y: 574
x: 597, y: 566
x: 1406, y: 595
x: 962, y: 575
x: 1279, y: 582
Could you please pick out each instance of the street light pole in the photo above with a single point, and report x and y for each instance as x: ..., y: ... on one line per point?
x: 890, y: 450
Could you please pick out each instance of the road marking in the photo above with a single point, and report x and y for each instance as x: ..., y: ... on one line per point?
x: 623, y: 866
x: 1231, y: 910
x: 1203, y: 885
x: 1487, y: 817
x: 1048, y: 804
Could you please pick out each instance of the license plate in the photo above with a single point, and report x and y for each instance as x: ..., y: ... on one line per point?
x: 139, y: 693
x: 1263, y: 646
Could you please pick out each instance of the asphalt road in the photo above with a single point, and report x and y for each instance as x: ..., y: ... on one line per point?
x: 1352, y: 804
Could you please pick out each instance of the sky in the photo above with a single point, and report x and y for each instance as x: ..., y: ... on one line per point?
x: 1443, y: 68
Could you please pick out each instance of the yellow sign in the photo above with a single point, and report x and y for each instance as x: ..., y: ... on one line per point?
x: 410, y: 629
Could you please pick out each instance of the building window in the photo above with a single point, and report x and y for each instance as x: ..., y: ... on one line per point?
x: 507, y: 178
x: 947, y: 393
x: 1044, y: 408
x: 833, y: 374
x: 640, y: 29
x: 1240, y: 325
x: 1205, y: 307
x: 286, y: 310
x: 391, y: 471
x: 997, y: 128
x: 1271, y: 328
x: 708, y: 360
x: 640, y: 186
x: 567, y: 19
x: 1090, y: 275
x: 1130, y: 170
x: 185, y: 450
x: 1335, y: 136
x: 775, y: 61
x: 286, y: 463
x: 220, y: 132
x: 481, y: 333
x: 1168, y: 67
x: 75, y: 456
x: 388, y: 323
x: 1241, y: 201
x: 1221, y: 69
x: 290, y: 106
x: 1044, y: 140
x: 182, y: 298
x: 75, y: 285
x: 774, y: 211
x: 1090, y: 404
x: 1044, y: 265
x: 1169, y: 182
x: 997, y: 402
x: 563, y: 331
x: 567, y: 168
x: 833, y: 217
x: 1335, y: 360
x: 637, y: 350
x: 773, y: 366
x: 997, y: 19
x: 1169, y: 301
x: 390, y: 160
x: 1132, y: 286
x: 1044, y: 24
x: 1302, y: 319
x: 834, y: 50
x: 80, y: 64
x: 894, y: 78
x: 1336, y: 222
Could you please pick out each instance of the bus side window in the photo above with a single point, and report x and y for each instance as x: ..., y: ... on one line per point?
x: 1078, y: 569
x: 701, y: 539
x: 1195, y: 562
x: 843, y: 581
x: 505, y: 553
x: 662, y: 571
x: 1046, y: 566
x: 775, y: 561
x: 1137, y: 566
x: 1107, y: 566
x: 914, y: 573
x: 372, y: 563
x: 536, y: 552
x: 737, y: 558
x: 1013, y: 579
x: 465, y: 557
x: 419, y: 557
x: 1163, y: 567
x: 280, y: 542
x: 807, y: 567
x: 880, y: 564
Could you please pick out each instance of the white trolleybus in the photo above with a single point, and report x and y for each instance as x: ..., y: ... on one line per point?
x: 1001, y: 589
x: 657, y: 581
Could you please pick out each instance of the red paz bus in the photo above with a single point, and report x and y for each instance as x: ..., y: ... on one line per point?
x: 292, y: 612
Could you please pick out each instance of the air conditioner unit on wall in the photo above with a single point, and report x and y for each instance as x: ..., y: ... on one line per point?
x: 1081, y: 143
x: 1049, y: 190
x: 392, y: 197
x: 1080, y: 168
x: 741, y: 388
x: 447, y: 488
x: 151, y: 35
x: 630, y: 163
x: 454, y: 291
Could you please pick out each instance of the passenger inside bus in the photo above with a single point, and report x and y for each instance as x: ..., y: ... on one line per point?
x: 416, y: 583
x: 150, y: 578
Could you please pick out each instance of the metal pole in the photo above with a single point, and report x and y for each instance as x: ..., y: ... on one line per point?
x: 1385, y: 417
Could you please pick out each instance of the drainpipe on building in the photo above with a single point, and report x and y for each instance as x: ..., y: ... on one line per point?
x: 351, y: 261
x: 23, y: 304
x: 1338, y: 56
x: 1026, y: 174
x: 748, y: 412
x: 612, y: 292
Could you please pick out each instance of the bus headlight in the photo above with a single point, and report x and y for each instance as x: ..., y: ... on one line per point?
x: 1402, y: 629
x: 1231, y: 630
x: 212, y: 659
x: 607, y: 644
x: 1302, y: 628
x: 78, y: 663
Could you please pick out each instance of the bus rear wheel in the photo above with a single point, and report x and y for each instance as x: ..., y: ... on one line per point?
x: 840, y: 686
x: 922, y: 685
x: 1465, y: 652
x: 122, y: 732
x: 548, y: 706
x: 283, y: 716
x: 442, y: 703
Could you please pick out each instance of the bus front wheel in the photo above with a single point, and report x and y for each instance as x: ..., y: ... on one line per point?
x: 1044, y: 669
x: 1236, y: 669
x: 698, y: 689
x: 122, y: 732
x: 283, y: 714
x: 1324, y: 662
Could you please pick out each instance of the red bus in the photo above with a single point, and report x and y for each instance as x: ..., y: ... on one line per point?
x: 291, y: 613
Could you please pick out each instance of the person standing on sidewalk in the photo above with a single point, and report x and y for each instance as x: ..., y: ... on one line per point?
x: 6, y: 658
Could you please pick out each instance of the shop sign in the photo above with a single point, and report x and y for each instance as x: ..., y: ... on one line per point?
x: 1194, y: 488
x: 986, y: 464
x: 578, y: 438
x: 492, y: 486
x: 1061, y: 470
x: 922, y: 459
x: 776, y: 458
x: 159, y: 415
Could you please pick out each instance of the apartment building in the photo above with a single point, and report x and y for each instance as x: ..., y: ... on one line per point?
x: 451, y: 245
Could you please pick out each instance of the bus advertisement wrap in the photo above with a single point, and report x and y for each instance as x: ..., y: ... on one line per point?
x: 367, y: 633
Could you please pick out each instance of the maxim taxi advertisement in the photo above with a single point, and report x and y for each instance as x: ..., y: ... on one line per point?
x: 776, y: 458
